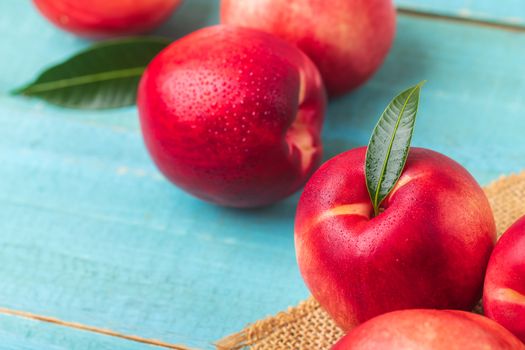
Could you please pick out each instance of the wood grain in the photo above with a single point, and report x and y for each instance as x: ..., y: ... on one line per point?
x: 24, y: 334
x: 91, y: 233
x: 75, y: 326
x: 510, y: 12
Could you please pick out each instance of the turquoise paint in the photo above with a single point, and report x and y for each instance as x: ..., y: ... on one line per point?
x: 91, y: 233
x: 506, y: 12
x: 26, y: 334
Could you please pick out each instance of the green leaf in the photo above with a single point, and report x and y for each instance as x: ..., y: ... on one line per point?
x: 389, y: 145
x: 106, y: 75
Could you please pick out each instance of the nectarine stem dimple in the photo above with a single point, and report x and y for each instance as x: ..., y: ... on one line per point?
x: 509, y: 295
x: 361, y: 209
x: 404, y: 180
x: 298, y: 135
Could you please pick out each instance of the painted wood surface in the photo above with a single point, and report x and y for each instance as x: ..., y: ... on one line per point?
x: 91, y: 233
x: 507, y: 11
x: 24, y: 334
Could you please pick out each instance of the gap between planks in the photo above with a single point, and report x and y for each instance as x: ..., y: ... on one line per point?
x: 466, y: 20
x: 87, y: 328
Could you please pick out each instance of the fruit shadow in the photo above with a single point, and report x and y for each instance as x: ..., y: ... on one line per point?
x: 189, y: 17
x: 351, y: 118
x: 282, y: 211
x: 190, y: 222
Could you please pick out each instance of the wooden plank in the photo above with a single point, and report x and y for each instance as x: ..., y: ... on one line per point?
x: 91, y: 233
x: 506, y: 12
x: 25, y: 334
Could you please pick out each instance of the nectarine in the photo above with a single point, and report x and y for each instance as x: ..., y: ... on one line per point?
x: 347, y: 39
x: 429, y: 330
x: 504, y: 291
x: 233, y: 115
x: 106, y: 18
x: 427, y: 248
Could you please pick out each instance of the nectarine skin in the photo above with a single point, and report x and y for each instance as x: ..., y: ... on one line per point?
x: 428, y: 248
x: 233, y: 115
x: 106, y: 18
x: 504, y: 291
x: 429, y: 330
x: 347, y: 39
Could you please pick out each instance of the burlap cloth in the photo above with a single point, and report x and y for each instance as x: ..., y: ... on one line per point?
x: 307, y: 327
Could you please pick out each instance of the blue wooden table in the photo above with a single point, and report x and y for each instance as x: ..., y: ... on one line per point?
x: 91, y: 235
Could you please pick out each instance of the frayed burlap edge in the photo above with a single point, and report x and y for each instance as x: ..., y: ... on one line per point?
x: 306, y: 326
x: 265, y: 327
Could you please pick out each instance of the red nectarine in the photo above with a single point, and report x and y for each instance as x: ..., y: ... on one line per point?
x: 504, y: 291
x: 105, y: 18
x: 427, y: 248
x: 233, y: 115
x: 347, y: 39
x: 429, y: 330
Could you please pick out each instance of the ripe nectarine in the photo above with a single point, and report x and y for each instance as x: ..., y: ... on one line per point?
x: 427, y: 248
x: 429, y: 330
x: 347, y: 39
x: 504, y: 291
x: 233, y: 115
x: 106, y: 18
